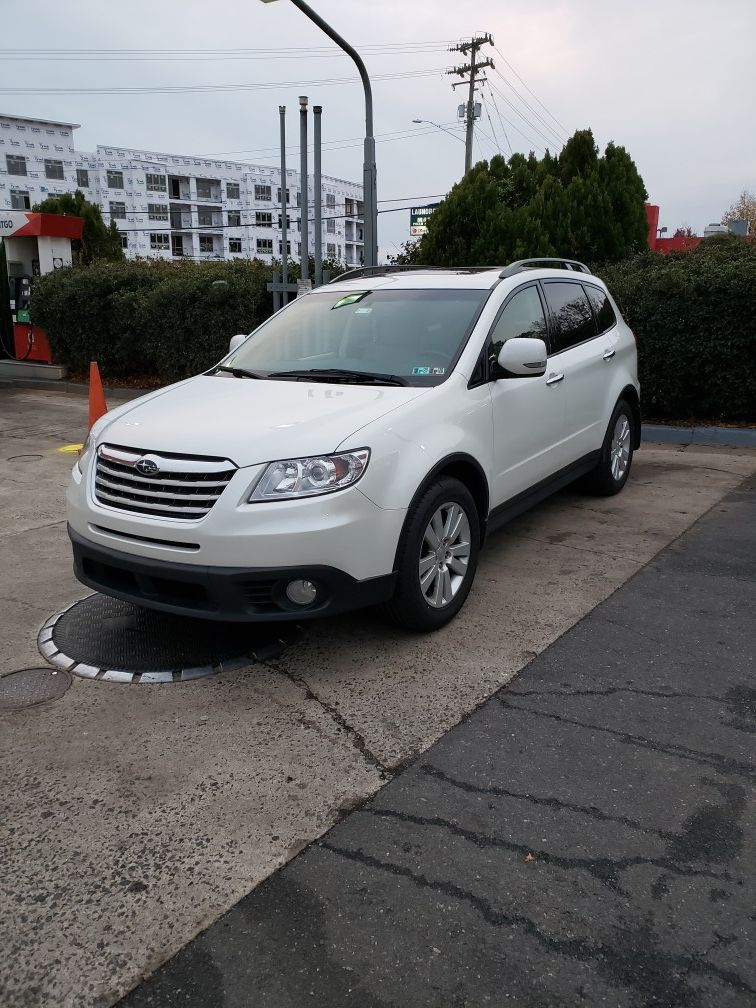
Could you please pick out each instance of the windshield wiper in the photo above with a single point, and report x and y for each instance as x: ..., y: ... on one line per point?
x: 342, y: 375
x: 238, y: 372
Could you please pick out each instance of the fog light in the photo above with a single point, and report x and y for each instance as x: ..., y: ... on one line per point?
x: 301, y: 592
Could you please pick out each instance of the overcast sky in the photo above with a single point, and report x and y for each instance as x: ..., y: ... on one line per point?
x: 673, y: 81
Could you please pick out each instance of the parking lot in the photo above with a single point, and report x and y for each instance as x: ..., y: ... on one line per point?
x: 135, y: 815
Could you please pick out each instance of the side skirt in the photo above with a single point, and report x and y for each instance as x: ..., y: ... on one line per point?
x: 534, y: 495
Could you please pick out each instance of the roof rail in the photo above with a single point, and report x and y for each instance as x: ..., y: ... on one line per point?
x: 557, y: 261
x: 369, y: 271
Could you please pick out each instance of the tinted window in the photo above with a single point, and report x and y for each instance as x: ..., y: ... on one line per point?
x: 523, y: 316
x: 571, y: 314
x: 602, y: 307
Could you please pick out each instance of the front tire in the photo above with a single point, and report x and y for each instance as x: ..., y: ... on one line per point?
x: 613, y: 468
x: 437, y: 557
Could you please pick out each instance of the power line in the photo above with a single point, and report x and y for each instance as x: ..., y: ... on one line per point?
x: 514, y: 126
x: 210, y: 88
x: 560, y: 139
x: 367, y: 47
x: 493, y: 131
x: 548, y: 140
x: 503, y: 128
x: 532, y: 93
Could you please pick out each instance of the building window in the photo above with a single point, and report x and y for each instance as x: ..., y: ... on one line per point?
x: 331, y: 250
x: 115, y: 179
x: 155, y: 183
x: 232, y: 190
x: 159, y: 241
x: 206, y: 243
x: 330, y: 225
x: 124, y: 240
x: 82, y: 178
x: 205, y: 218
x: 288, y: 248
x: 263, y: 219
x: 262, y: 192
x: 177, y: 245
x: 16, y: 164
x: 157, y: 211
x: 234, y: 218
x: 54, y: 169
x: 20, y: 200
x: 278, y: 196
x: 330, y: 199
x: 280, y: 220
x: 118, y: 210
x: 264, y: 244
x: 204, y: 189
x: 234, y: 244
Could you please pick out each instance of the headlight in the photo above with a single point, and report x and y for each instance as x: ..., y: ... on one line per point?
x: 307, y: 477
x: 84, y: 453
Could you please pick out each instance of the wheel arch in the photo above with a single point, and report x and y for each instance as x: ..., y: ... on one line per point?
x: 469, y: 472
x: 630, y: 394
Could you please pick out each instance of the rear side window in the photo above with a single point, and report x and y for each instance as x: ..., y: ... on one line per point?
x: 571, y: 315
x: 602, y: 308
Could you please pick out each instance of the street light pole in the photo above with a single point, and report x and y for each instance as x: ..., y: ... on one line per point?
x: 370, y: 195
x: 442, y: 128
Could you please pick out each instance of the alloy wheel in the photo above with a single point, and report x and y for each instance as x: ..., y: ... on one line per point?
x: 444, y: 555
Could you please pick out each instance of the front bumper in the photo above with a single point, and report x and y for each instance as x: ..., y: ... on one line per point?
x: 221, y: 593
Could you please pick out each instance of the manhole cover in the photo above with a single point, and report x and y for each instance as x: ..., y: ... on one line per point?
x: 30, y: 686
x: 105, y: 638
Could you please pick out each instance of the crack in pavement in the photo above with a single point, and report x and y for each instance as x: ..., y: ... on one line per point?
x: 715, y: 760
x: 612, y: 690
x: 549, y: 802
x: 605, y: 870
x: 621, y: 963
x: 357, y: 739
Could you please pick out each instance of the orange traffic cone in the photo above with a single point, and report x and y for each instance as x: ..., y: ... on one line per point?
x: 97, y: 405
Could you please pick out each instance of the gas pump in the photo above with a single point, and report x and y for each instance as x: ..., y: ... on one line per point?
x: 33, y: 244
x: 21, y: 314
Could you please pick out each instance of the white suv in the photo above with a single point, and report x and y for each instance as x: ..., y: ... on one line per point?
x: 357, y: 446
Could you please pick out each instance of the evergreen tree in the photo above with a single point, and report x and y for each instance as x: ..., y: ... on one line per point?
x: 98, y: 241
x: 577, y: 204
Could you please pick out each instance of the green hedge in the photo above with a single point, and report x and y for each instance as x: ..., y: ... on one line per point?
x: 693, y: 314
x: 694, y: 317
x: 147, y: 317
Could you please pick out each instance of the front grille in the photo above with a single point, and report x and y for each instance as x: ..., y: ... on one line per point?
x: 179, y: 486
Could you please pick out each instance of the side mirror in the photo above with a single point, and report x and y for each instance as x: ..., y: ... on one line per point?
x: 523, y: 357
x: 236, y: 341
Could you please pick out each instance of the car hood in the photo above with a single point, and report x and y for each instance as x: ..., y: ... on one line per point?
x: 251, y: 421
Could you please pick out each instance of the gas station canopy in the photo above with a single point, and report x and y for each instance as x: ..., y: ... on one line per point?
x: 20, y: 224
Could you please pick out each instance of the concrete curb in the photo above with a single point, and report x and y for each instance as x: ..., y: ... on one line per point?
x: 71, y: 388
x: 731, y: 437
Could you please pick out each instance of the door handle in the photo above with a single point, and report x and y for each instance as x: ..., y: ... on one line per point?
x: 554, y: 378
x: 608, y: 354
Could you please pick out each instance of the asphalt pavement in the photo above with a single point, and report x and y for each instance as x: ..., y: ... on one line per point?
x: 584, y: 837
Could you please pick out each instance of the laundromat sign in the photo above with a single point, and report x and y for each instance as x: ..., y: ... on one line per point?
x: 419, y: 219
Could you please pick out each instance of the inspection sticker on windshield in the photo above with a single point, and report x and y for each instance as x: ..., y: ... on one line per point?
x: 428, y: 370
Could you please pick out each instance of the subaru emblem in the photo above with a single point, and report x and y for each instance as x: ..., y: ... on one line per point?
x: 147, y: 467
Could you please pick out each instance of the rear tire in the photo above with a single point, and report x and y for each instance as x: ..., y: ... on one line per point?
x: 437, y: 557
x: 613, y: 468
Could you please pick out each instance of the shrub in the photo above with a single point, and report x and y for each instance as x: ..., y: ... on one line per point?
x: 89, y: 313
x: 149, y: 317
x: 694, y: 317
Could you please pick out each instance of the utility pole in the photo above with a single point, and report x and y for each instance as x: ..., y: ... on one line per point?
x: 304, y: 211
x: 472, y: 47
x: 284, y: 206
x: 317, y: 111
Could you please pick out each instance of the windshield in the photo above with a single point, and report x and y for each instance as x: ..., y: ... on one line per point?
x: 412, y: 335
